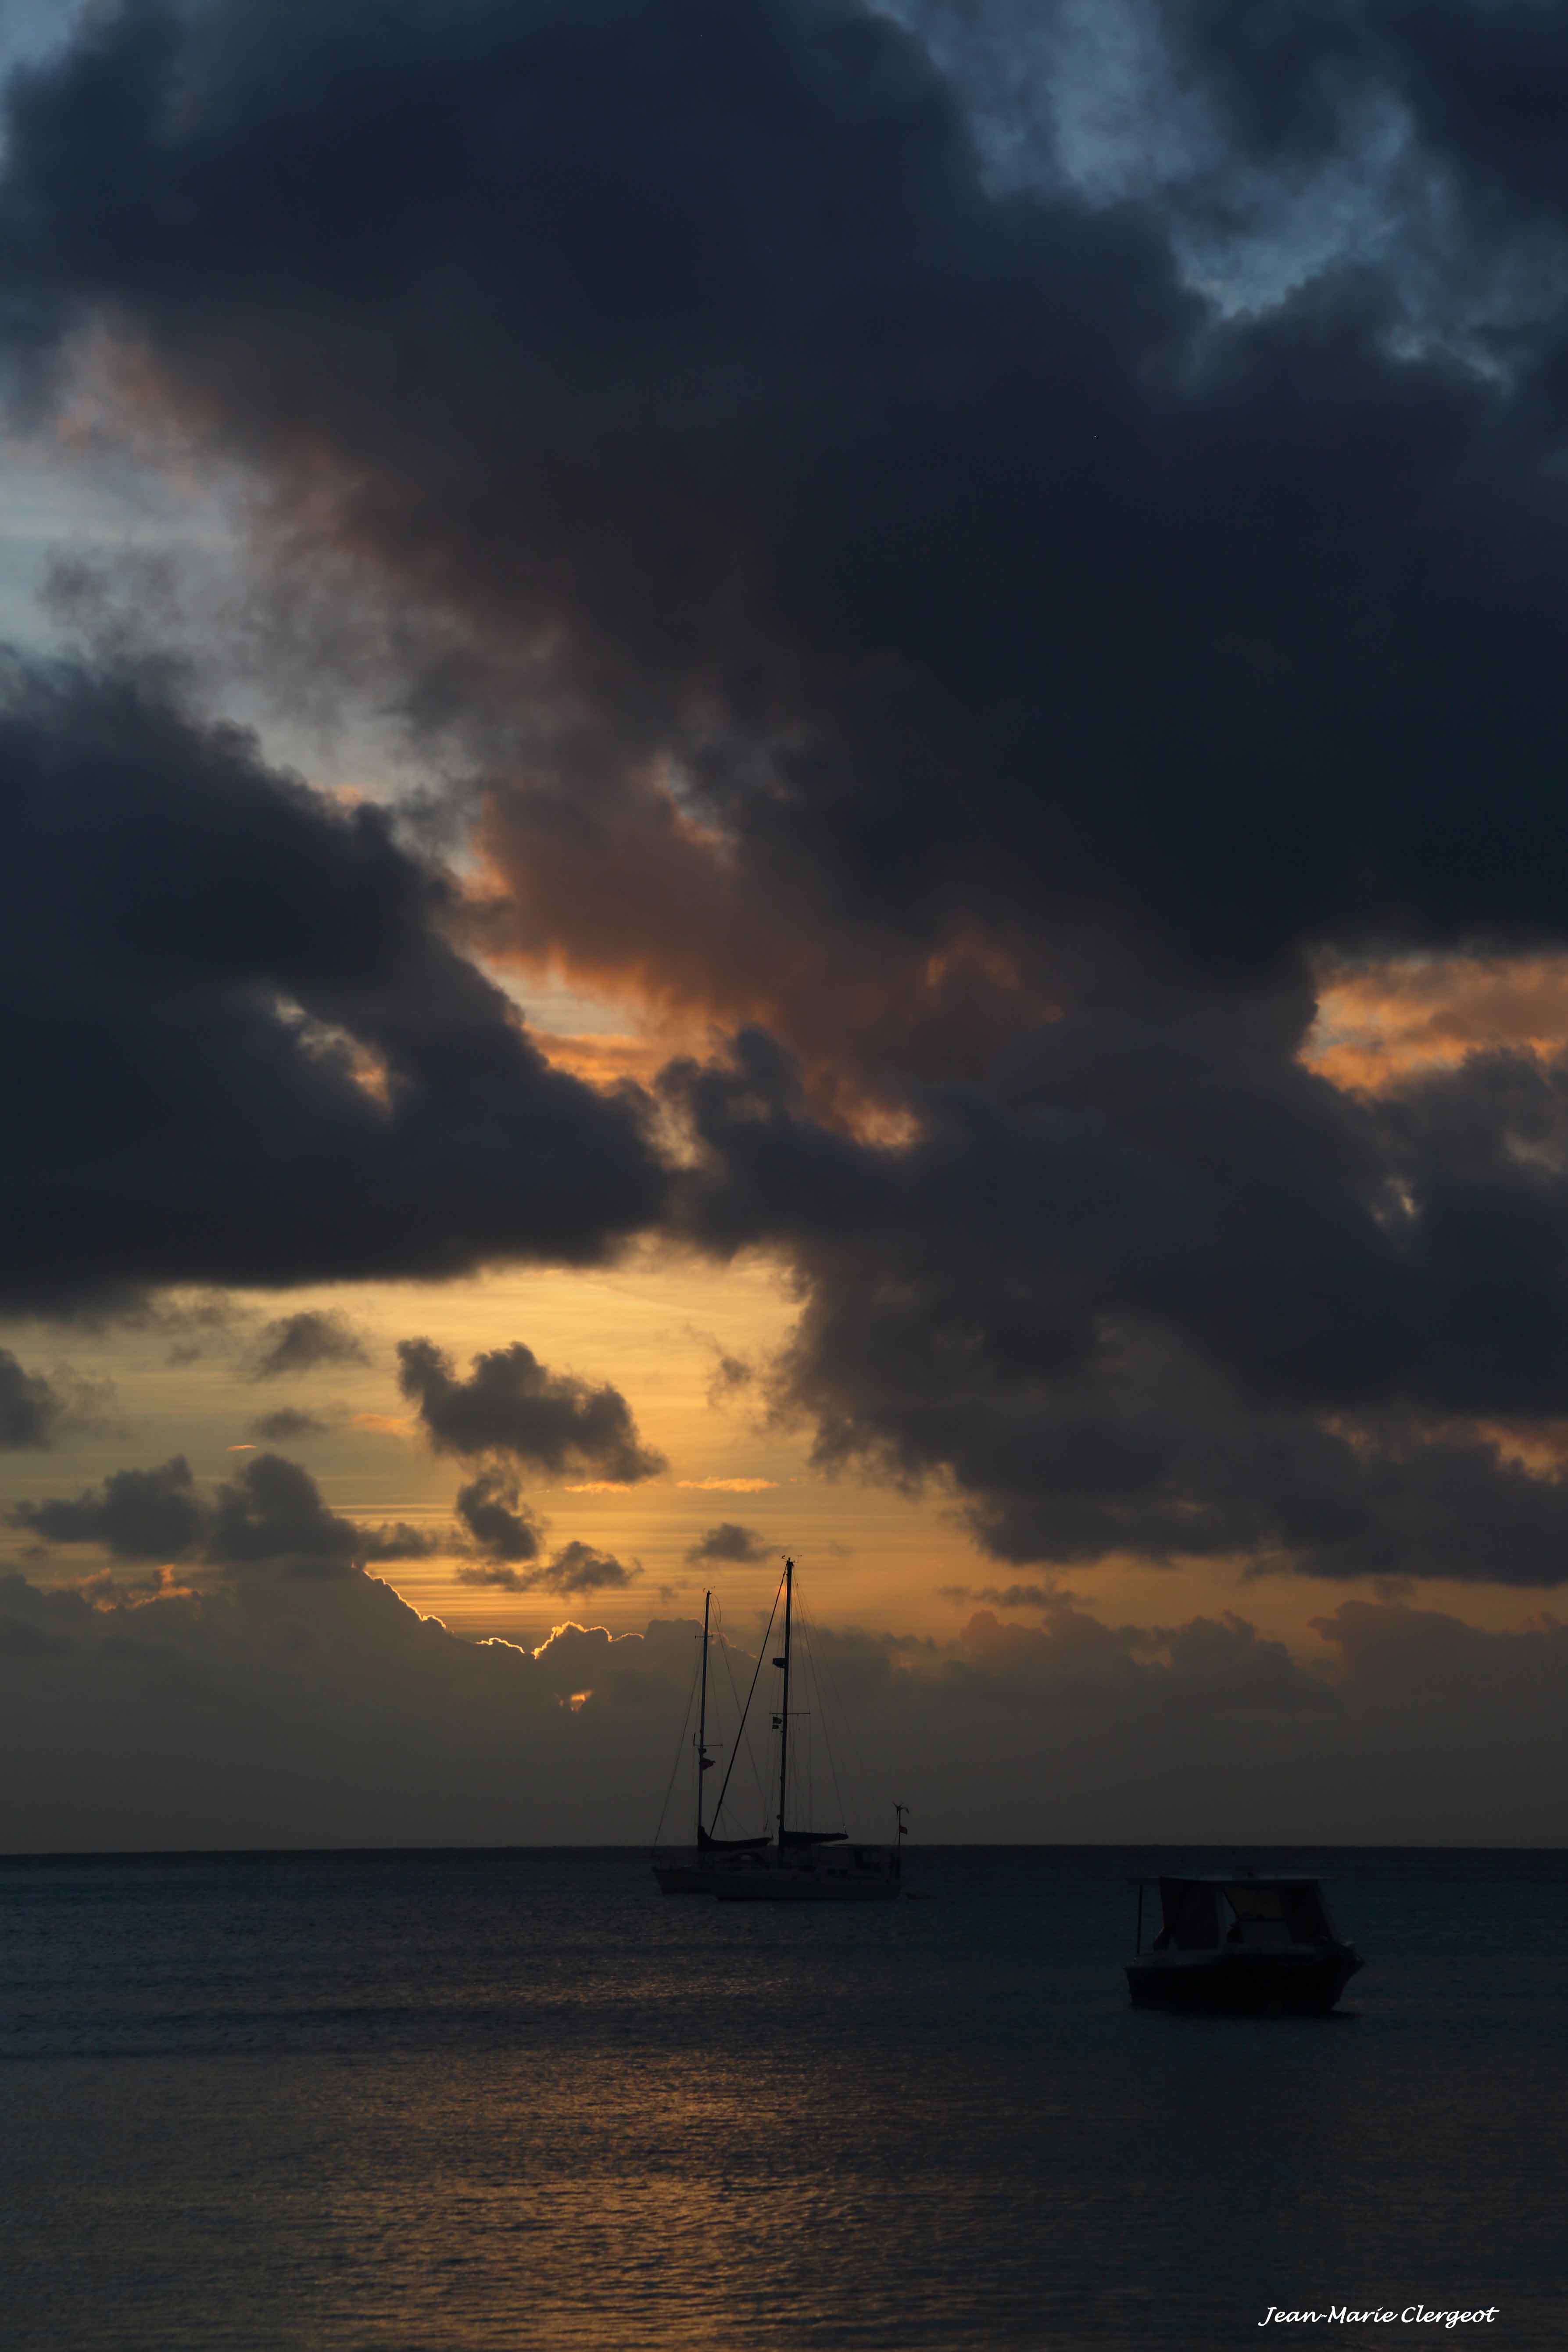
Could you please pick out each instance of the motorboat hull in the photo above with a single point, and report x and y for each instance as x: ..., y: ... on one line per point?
x: 1244, y: 1983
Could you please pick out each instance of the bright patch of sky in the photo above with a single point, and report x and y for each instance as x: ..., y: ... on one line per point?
x: 1087, y: 96
x: 29, y: 30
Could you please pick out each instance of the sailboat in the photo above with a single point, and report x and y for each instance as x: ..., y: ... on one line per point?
x: 808, y: 1865
x: 691, y: 1871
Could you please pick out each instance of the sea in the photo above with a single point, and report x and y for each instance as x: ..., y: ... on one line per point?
x: 466, y: 2101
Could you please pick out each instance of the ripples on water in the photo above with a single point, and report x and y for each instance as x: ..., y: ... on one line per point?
x: 450, y: 2102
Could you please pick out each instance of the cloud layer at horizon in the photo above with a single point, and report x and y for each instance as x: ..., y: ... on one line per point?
x: 326, y: 1710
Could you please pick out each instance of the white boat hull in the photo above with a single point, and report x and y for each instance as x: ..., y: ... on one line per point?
x: 686, y: 1870
x: 869, y: 1876
x: 684, y: 1877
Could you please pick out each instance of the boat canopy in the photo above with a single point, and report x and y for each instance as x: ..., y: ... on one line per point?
x: 813, y: 1837
x: 1196, y: 1911
x: 708, y: 1843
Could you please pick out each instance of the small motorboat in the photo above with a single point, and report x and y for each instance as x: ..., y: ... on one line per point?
x: 1243, y: 1944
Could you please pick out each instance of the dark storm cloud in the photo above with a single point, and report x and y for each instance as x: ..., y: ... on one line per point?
x: 241, y: 1049
x: 900, y: 611
x: 495, y: 1575
x: 134, y: 1515
x: 731, y: 1375
x: 1177, y: 1166
x: 1481, y: 87
x: 1167, y: 1294
x: 511, y: 1404
x: 298, y: 1343
x: 576, y: 1570
x: 271, y: 1515
x: 274, y: 1513
x: 975, y: 571
x: 288, y: 1422
x: 728, y: 1541
x: 578, y: 1567
x: 29, y: 1408
x: 489, y: 1507
x: 998, y: 1596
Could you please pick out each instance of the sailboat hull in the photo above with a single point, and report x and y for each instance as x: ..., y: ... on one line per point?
x: 805, y: 1865
x: 869, y: 1875
x: 690, y: 1870
x: 684, y: 1877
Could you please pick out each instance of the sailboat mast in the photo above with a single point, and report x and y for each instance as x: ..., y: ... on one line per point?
x: 783, y: 1717
x: 703, y: 1718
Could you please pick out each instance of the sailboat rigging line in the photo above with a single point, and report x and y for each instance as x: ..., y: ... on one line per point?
x: 816, y: 1673
x: 783, y: 1704
x: 702, y: 1713
x: 679, y: 1751
x: 761, y: 1654
x: 740, y: 1727
x: 854, y: 1762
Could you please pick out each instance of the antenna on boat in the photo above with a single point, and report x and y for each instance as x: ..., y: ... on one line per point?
x: 901, y: 1810
x: 704, y: 1761
x: 784, y: 1716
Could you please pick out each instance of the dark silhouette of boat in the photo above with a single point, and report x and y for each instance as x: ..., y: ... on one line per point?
x: 690, y: 1870
x: 802, y: 1865
x: 1241, y: 1945
x: 808, y: 1865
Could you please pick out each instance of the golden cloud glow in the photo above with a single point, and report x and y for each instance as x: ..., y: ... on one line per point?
x: 726, y: 1486
x: 1378, y: 1023
x: 604, y: 1061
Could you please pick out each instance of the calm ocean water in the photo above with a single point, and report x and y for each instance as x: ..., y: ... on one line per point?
x: 441, y: 2102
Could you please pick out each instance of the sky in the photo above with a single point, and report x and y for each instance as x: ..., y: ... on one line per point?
x: 784, y: 777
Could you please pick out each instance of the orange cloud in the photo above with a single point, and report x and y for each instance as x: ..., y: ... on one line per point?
x: 726, y: 1486
x: 629, y: 899
x: 605, y: 1060
x: 1381, y: 1022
